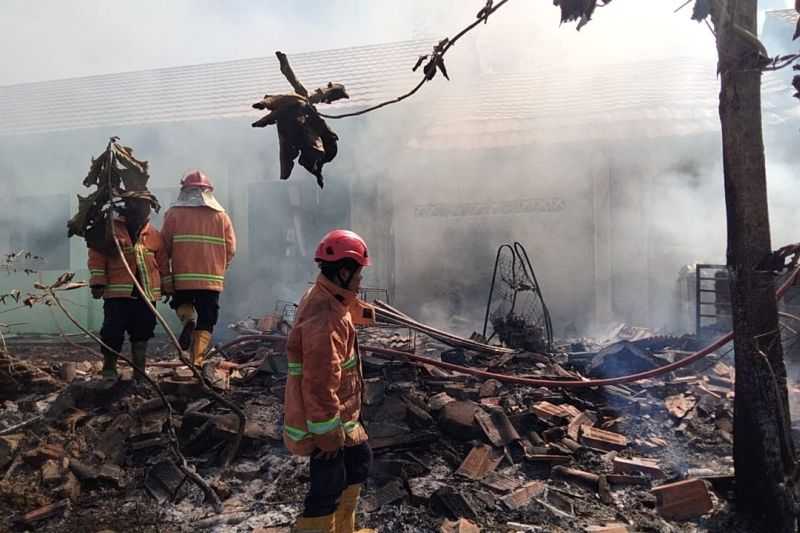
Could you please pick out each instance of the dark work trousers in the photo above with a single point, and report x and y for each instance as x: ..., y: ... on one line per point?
x: 121, y: 315
x: 206, y: 303
x: 330, y: 477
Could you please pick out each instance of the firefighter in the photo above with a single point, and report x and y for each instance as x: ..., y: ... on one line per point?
x: 124, y: 310
x: 201, y: 243
x: 323, y: 390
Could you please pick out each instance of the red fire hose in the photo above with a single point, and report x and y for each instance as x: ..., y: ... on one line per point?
x: 571, y: 384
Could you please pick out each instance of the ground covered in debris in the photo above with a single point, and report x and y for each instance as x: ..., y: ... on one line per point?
x: 452, y: 452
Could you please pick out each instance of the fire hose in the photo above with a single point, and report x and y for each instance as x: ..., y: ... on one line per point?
x: 549, y: 383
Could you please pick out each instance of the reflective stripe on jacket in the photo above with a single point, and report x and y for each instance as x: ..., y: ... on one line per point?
x: 147, y: 258
x: 201, y: 244
x: 323, y: 389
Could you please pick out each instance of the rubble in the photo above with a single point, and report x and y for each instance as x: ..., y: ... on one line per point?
x: 452, y: 452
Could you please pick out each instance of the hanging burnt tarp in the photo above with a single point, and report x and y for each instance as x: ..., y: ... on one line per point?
x: 301, y: 130
x: 117, y: 175
x: 580, y: 10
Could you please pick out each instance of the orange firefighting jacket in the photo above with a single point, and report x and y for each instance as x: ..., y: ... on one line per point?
x: 147, y: 258
x: 201, y: 244
x: 323, y: 389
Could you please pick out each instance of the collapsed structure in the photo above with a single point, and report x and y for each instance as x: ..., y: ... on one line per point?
x: 454, y: 452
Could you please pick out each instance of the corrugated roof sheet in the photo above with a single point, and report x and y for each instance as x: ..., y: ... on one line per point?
x: 640, y: 99
x: 549, y: 103
x: 787, y: 16
x: 214, y: 90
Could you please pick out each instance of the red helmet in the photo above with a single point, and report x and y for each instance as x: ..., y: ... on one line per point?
x: 196, y: 178
x: 342, y: 244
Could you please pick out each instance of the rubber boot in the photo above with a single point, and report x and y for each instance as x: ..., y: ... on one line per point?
x: 185, y: 313
x: 346, y: 511
x: 317, y: 524
x: 109, y: 366
x: 200, y: 341
x: 138, y: 357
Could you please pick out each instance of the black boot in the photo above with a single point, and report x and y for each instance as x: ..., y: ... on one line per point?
x: 109, y: 365
x: 138, y: 358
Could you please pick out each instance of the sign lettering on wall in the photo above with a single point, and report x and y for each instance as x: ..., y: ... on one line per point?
x: 508, y: 207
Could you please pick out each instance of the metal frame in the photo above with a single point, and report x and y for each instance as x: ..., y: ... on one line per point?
x: 518, y: 253
x: 699, y: 291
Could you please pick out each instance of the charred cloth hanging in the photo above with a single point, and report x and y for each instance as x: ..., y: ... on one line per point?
x: 301, y: 131
x: 118, y: 175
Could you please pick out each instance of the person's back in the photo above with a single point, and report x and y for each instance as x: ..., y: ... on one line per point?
x: 200, y: 241
x: 201, y: 246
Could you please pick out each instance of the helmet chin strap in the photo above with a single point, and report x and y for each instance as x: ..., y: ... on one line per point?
x: 343, y: 283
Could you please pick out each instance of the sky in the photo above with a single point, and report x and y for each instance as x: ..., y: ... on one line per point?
x: 54, y: 39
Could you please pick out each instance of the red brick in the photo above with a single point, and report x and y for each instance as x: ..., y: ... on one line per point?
x: 683, y: 500
x: 602, y: 439
x: 637, y: 465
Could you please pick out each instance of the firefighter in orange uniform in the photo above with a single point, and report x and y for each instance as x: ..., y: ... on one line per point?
x: 124, y: 310
x: 323, y: 390
x: 201, y: 243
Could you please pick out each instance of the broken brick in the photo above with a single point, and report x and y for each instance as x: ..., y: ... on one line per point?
x: 550, y: 412
x: 586, y: 479
x: 458, y: 420
x: 638, y: 465
x: 438, y: 401
x: 683, y: 500
x: 521, y: 497
x: 462, y: 525
x: 583, y: 419
x: 601, y: 439
x: 680, y: 405
x: 42, y: 513
x: 497, y: 427
x: 52, y: 473
x: 500, y: 483
x: 481, y: 461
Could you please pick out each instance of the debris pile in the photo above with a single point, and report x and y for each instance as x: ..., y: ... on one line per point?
x: 452, y: 452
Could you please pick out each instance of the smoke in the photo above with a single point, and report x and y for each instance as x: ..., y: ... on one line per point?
x: 608, y: 209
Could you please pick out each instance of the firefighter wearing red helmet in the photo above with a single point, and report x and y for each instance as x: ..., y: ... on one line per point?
x: 201, y: 243
x: 323, y: 390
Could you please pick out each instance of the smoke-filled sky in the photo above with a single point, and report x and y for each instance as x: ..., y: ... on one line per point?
x: 51, y: 39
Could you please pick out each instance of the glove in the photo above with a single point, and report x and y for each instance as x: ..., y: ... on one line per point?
x: 98, y: 291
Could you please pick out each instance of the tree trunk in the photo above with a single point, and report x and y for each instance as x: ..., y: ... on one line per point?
x: 763, y: 448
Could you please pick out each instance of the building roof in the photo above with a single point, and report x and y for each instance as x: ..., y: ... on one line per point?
x: 548, y: 103
x: 197, y: 92
x: 640, y: 99
x: 785, y: 16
